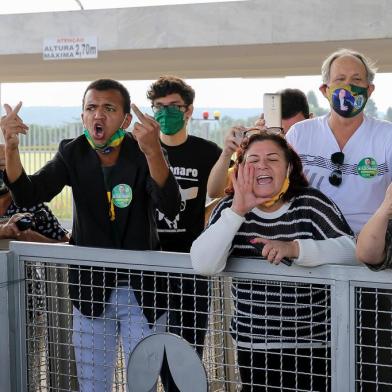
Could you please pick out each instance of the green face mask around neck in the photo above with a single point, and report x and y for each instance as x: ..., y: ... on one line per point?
x: 114, y: 141
x: 170, y: 119
x: 107, y: 147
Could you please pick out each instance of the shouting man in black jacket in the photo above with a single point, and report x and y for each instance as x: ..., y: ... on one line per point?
x: 117, y: 180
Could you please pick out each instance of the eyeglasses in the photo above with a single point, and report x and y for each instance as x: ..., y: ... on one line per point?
x: 257, y: 131
x: 335, y: 178
x: 157, y: 108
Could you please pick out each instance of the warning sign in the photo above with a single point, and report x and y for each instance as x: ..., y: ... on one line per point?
x: 70, y: 48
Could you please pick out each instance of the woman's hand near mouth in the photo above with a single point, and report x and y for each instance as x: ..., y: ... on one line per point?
x: 244, y: 197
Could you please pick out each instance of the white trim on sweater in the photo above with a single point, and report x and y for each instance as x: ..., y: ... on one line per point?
x: 210, y: 260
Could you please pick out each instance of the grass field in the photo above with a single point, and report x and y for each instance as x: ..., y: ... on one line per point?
x: 61, y: 205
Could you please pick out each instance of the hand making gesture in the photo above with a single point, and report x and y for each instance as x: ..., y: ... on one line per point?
x: 244, y: 197
x: 11, y: 125
x: 146, y: 132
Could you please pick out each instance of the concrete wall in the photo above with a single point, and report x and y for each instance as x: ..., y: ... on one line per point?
x: 244, y: 38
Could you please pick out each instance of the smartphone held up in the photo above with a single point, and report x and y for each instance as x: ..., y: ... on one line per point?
x: 272, y: 108
x: 271, y: 121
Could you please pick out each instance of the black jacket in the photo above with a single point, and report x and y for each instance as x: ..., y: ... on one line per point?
x: 76, y: 164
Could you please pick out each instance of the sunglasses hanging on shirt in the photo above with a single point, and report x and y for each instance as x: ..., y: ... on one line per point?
x: 335, y: 178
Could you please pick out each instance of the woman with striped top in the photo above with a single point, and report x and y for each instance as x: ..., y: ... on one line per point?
x: 280, y: 328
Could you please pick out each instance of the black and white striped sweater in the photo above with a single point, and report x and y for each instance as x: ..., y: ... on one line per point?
x: 283, y: 313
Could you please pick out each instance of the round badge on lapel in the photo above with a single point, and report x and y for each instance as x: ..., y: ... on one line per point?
x: 122, y: 195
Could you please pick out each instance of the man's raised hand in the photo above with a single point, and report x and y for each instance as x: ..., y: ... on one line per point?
x: 146, y: 132
x: 11, y: 125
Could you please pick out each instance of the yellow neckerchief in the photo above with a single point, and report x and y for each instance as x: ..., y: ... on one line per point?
x: 279, y: 195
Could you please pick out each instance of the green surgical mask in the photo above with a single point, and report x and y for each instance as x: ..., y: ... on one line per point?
x: 170, y: 119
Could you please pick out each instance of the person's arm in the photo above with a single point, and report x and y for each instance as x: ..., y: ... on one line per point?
x: 209, y: 252
x: 42, y: 186
x: 8, y: 229
x: 157, y: 165
x: 340, y: 250
x: 21, y: 187
x: 310, y: 252
x: 12, y: 125
x: 371, y: 239
x: 371, y: 245
x: 33, y: 236
x: 164, y: 188
x: 146, y: 134
x: 50, y: 229
x: 333, y: 240
x: 218, y: 178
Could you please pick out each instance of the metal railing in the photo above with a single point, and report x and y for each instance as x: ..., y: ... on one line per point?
x: 351, y: 305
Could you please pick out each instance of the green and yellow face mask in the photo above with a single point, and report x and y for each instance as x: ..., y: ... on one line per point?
x: 107, y: 147
x: 114, y: 141
x: 347, y: 100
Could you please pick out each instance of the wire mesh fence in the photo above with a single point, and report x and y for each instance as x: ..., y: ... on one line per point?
x: 280, y: 337
x: 373, y: 339
x: 65, y: 348
x: 254, y: 328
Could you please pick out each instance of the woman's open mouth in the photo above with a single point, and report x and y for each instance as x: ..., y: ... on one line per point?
x: 263, y: 179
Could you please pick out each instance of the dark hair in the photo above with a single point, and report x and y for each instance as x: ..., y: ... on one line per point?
x: 167, y: 85
x: 297, y: 178
x: 110, y: 84
x: 294, y: 101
